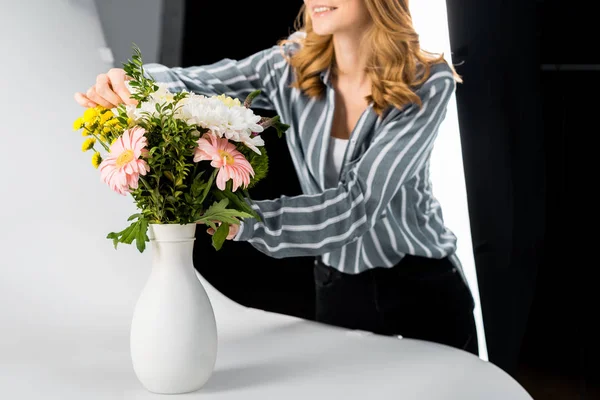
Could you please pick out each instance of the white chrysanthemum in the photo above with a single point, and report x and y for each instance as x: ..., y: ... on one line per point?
x: 162, y: 94
x: 228, y: 119
x: 235, y: 122
x: 253, y: 142
x: 138, y: 113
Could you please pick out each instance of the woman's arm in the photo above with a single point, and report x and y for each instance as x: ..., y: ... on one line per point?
x: 308, y: 225
x: 234, y: 78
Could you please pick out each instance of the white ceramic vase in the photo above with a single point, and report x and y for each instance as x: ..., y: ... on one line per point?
x: 173, y: 330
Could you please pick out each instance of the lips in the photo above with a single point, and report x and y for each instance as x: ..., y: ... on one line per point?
x: 322, y: 9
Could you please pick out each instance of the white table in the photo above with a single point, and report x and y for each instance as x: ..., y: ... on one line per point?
x: 261, y: 355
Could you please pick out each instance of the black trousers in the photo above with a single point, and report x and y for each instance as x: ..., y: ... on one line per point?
x: 418, y: 298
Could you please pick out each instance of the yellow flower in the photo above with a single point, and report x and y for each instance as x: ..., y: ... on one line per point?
x: 78, y: 124
x: 96, y: 159
x: 106, y: 116
x: 88, y: 144
x: 85, y: 132
x: 90, y: 115
x: 229, y: 101
x: 112, y: 122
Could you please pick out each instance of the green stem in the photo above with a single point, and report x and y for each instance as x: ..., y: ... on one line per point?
x: 98, y: 139
x: 195, y: 172
x: 149, y: 189
x: 209, y: 185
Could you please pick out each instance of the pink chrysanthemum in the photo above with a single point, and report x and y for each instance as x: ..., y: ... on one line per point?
x: 223, y: 155
x: 123, y: 166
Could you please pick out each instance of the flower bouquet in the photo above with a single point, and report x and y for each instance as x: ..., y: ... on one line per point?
x: 183, y: 157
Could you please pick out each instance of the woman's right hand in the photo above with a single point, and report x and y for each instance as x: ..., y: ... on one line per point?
x: 109, y: 91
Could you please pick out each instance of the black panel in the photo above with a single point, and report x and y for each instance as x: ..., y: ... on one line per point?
x: 495, y: 45
x: 211, y: 33
x: 527, y: 114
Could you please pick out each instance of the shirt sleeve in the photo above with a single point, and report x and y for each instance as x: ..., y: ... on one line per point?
x: 234, y: 78
x: 308, y: 225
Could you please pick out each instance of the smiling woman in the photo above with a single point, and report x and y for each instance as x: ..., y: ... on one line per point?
x: 354, y: 70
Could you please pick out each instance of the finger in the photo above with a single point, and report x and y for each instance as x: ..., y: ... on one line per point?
x: 104, y: 89
x: 83, y: 101
x: 233, y: 230
x: 95, y: 97
x: 210, y: 231
x: 117, y: 79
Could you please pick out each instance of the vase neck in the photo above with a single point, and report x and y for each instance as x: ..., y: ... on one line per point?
x: 172, y: 254
x: 172, y: 246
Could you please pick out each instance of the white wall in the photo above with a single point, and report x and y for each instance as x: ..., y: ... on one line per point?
x: 57, y: 269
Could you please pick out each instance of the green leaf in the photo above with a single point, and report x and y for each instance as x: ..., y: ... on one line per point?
x: 239, y: 202
x: 136, y: 231
x: 169, y: 175
x: 197, y: 185
x: 220, y: 236
x: 218, y: 211
x: 134, y: 216
x: 157, y: 196
x: 117, y: 237
x: 142, y: 237
x: 134, y: 68
x: 131, y: 234
x: 208, y: 185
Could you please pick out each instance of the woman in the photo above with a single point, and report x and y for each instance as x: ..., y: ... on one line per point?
x: 364, y: 103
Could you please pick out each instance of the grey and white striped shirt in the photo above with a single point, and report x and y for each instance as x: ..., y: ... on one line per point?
x: 383, y: 206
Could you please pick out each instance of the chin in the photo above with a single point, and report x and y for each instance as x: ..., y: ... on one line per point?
x: 322, y: 30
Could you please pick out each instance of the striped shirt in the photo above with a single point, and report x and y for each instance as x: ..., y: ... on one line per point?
x: 382, y: 207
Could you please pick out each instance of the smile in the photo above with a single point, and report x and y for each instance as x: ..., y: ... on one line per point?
x: 322, y: 10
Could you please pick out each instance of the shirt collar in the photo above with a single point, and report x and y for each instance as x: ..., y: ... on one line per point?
x: 326, y: 76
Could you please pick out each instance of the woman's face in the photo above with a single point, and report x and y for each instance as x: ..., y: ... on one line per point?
x: 330, y: 17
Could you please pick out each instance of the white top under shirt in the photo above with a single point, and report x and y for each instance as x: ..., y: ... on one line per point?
x: 335, y: 157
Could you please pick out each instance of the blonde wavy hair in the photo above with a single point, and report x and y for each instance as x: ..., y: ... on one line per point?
x: 396, y: 64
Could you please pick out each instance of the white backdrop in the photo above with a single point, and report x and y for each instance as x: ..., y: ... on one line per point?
x: 60, y: 278
x: 447, y: 173
x: 57, y: 270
